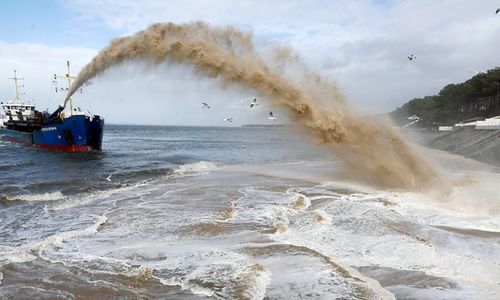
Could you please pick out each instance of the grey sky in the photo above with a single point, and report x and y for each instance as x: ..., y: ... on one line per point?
x: 361, y: 45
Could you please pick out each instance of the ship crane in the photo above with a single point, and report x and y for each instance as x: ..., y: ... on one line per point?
x: 16, y: 79
x: 69, y: 78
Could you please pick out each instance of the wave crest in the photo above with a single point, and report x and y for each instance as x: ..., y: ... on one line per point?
x: 35, y: 197
x: 197, y: 167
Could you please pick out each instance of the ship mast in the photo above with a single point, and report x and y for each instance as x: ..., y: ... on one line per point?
x: 16, y: 79
x: 69, y: 79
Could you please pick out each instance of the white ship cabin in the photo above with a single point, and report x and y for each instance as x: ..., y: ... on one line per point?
x: 12, y: 110
x: 16, y: 110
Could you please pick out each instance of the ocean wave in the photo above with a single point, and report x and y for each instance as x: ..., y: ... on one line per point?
x: 252, y: 283
x: 301, y: 201
x: 119, y: 182
x: 4, y: 167
x: 197, y: 167
x: 35, y: 197
x: 51, y: 184
x: 232, y: 279
x: 14, y: 255
x: 101, y: 195
x: 30, y: 251
x: 58, y: 238
x: 153, y: 171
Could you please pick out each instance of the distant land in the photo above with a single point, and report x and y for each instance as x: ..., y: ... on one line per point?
x: 267, y: 125
x: 478, y: 97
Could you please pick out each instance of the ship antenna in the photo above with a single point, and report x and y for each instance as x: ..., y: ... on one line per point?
x: 69, y: 78
x: 16, y: 79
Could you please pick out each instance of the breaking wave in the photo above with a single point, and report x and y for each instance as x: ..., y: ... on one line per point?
x: 35, y: 197
x: 197, y: 167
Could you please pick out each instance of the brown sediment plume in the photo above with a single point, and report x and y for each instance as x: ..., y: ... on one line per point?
x: 372, y: 150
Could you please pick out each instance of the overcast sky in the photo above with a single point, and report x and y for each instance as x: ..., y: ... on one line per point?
x: 361, y: 45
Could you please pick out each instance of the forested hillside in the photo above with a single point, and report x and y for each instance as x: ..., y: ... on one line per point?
x: 476, y: 97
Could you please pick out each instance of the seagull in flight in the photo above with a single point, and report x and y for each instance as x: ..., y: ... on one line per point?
x: 109, y: 177
x: 271, y: 116
x: 254, y: 102
x: 205, y: 105
x: 412, y: 57
x: 228, y: 120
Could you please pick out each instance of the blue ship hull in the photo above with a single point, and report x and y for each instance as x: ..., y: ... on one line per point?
x: 17, y: 136
x: 77, y: 133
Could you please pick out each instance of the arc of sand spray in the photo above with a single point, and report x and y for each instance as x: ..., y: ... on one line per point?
x: 371, y: 149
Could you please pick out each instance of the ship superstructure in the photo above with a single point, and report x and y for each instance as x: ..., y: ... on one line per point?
x: 18, y: 115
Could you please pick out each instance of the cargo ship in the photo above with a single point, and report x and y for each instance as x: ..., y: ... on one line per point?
x: 67, y: 129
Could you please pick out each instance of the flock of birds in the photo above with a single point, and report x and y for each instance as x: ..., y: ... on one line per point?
x: 252, y: 104
x: 413, y: 56
x: 410, y: 57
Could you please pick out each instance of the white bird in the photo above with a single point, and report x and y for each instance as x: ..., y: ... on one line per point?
x: 271, y: 116
x: 228, y: 119
x: 109, y: 177
x: 412, y: 57
x: 254, y: 102
x: 477, y: 72
x: 205, y: 105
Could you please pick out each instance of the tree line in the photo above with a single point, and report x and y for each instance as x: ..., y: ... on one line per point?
x: 477, y: 97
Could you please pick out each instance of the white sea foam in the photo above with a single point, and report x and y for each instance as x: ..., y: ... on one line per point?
x: 372, y: 284
x: 479, y: 196
x: 347, y: 224
x: 58, y: 238
x: 197, y: 167
x: 37, y: 197
x: 361, y: 236
x: 88, y: 198
x: 261, y: 280
x: 14, y: 254
x: 321, y: 216
x: 301, y: 200
x: 387, y: 229
x: 195, y: 267
x: 194, y: 288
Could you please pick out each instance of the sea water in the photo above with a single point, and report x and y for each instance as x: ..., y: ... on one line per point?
x: 237, y: 213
